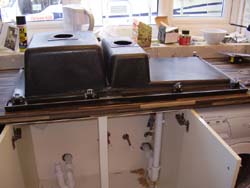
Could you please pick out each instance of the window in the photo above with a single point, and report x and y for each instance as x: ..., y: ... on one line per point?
x: 114, y: 11
x: 34, y: 10
x: 198, y: 8
x: 195, y: 15
x: 124, y: 11
x: 185, y: 14
x: 105, y: 11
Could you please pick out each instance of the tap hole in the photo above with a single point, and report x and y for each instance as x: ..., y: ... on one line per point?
x: 123, y: 42
x: 63, y: 36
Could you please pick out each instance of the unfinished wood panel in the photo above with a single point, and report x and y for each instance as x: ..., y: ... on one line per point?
x: 10, y: 173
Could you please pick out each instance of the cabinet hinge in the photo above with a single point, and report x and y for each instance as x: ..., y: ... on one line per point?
x: 182, y: 121
x: 17, y: 134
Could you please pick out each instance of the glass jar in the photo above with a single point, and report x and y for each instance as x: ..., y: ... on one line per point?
x: 185, y: 38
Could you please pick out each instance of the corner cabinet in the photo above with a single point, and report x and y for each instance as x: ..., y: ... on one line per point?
x: 192, y: 154
x: 196, y: 157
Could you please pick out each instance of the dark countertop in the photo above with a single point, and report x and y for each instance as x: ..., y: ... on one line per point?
x: 8, y: 80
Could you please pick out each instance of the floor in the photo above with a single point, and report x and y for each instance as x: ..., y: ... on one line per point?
x: 124, y: 179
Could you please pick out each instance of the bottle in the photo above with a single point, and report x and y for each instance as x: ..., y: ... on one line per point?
x: 185, y: 38
x: 23, y: 39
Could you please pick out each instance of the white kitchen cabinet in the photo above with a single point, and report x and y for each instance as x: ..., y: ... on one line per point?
x: 197, y: 158
x: 189, y: 159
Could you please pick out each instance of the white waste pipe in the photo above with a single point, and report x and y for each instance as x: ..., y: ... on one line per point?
x: 65, y: 178
x: 157, y: 147
x: 60, y: 176
x: 149, y: 155
x: 69, y: 175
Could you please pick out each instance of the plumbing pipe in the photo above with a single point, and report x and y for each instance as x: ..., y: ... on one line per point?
x: 147, y: 148
x: 60, y: 176
x: 150, y: 158
x: 69, y: 176
x: 154, y: 172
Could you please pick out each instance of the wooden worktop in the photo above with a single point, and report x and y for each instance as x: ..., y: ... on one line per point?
x: 8, y: 80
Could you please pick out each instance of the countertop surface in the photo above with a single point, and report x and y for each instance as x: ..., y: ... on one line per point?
x: 8, y: 79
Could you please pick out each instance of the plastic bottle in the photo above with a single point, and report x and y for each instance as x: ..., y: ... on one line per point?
x: 23, y: 39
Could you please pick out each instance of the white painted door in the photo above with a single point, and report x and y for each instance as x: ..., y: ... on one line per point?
x: 197, y: 157
x: 10, y: 171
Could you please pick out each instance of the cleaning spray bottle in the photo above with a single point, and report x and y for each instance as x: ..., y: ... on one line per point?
x: 23, y: 39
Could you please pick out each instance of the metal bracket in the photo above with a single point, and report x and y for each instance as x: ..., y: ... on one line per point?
x: 17, y: 134
x: 90, y: 94
x: 234, y: 84
x: 17, y: 99
x: 177, y: 88
x: 182, y: 121
x: 151, y: 121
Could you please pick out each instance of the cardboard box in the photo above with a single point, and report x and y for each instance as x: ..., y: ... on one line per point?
x: 168, y: 34
x: 142, y: 33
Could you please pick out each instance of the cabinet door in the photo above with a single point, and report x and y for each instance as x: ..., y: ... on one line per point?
x: 10, y: 171
x: 197, y: 157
